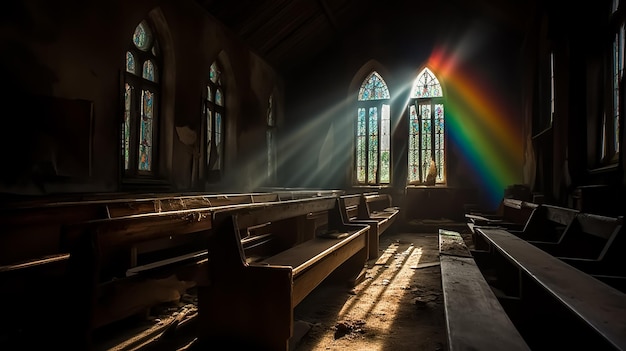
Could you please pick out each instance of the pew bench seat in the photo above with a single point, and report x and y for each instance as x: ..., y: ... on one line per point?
x: 252, y: 302
x: 373, y: 209
x: 475, y: 319
x: 553, y: 291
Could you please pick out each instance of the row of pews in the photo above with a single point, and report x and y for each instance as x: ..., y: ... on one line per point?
x: 558, y: 273
x: 171, y: 271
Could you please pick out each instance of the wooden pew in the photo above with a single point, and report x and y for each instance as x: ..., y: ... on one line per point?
x: 376, y: 207
x: 42, y: 260
x: 251, y: 298
x: 590, y: 313
x: 475, y: 319
x: 545, y: 223
x: 111, y: 282
x: 300, y: 193
x: 587, y: 236
x: 512, y: 214
x: 35, y: 226
x: 609, y: 265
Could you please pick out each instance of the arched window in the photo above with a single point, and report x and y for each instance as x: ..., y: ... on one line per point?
x: 609, y: 137
x: 373, y: 154
x: 271, y: 141
x: 141, y: 102
x: 214, y: 113
x: 426, y: 128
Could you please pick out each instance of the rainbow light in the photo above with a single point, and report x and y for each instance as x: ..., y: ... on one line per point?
x: 485, y: 131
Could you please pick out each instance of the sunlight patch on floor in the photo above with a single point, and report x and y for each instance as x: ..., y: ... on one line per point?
x: 389, y: 277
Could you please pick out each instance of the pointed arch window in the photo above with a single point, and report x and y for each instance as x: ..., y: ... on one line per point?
x: 373, y: 153
x: 214, y: 114
x: 142, y: 93
x: 426, y: 128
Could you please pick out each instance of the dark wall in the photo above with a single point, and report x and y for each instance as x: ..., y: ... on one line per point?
x: 74, y: 51
x: 319, y: 102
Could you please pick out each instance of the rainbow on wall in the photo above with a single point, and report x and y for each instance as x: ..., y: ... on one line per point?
x: 486, y: 132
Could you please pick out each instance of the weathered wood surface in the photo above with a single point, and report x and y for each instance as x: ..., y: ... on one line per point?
x: 451, y: 243
x: 587, y: 236
x: 475, y: 320
x: 600, y: 306
x: 254, y: 300
x: 374, y: 207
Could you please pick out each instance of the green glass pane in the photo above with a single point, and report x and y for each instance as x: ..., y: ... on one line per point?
x: 360, y: 130
x: 145, y: 142
x: 360, y: 158
x: 384, y: 166
x: 214, y: 73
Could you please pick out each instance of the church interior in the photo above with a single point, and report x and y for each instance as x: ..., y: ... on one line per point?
x: 258, y: 148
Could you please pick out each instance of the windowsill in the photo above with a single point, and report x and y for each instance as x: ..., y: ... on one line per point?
x: 603, y: 169
x: 145, y: 184
x: 365, y: 186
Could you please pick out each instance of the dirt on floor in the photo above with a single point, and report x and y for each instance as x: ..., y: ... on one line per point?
x: 398, y: 306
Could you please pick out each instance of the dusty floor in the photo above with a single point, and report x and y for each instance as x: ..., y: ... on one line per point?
x: 399, y: 306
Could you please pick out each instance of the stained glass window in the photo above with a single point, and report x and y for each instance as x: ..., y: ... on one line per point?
x: 609, y: 124
x: 426, y: 128
x: 141, y: 99
x: 372, y: 137
x: 214, y: 121
x: 373, y: 88
x: 426, y: 85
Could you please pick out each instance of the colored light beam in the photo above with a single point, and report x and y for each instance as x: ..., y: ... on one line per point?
x: 484, y: 130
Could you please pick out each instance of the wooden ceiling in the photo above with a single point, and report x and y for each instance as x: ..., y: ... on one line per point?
x: 288, y: 33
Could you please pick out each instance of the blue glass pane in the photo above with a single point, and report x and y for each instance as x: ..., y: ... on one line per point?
x: 373, y: 88
x: 218, y: 97
x: 142, y: 37
x: 149, y: 71
x: 130, y: 62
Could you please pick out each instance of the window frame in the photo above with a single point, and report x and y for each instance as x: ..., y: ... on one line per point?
x: 432, y: 101
x: 213, y: 172
x: 609, y: 123
x: 367, y: 105
x: 139, y: 84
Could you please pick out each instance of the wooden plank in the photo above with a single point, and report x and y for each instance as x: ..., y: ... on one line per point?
x: 302, y: 256
x: 475, y: 319
x: 452, y: 243
x: 602, y: 307
x: 270, y: 212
